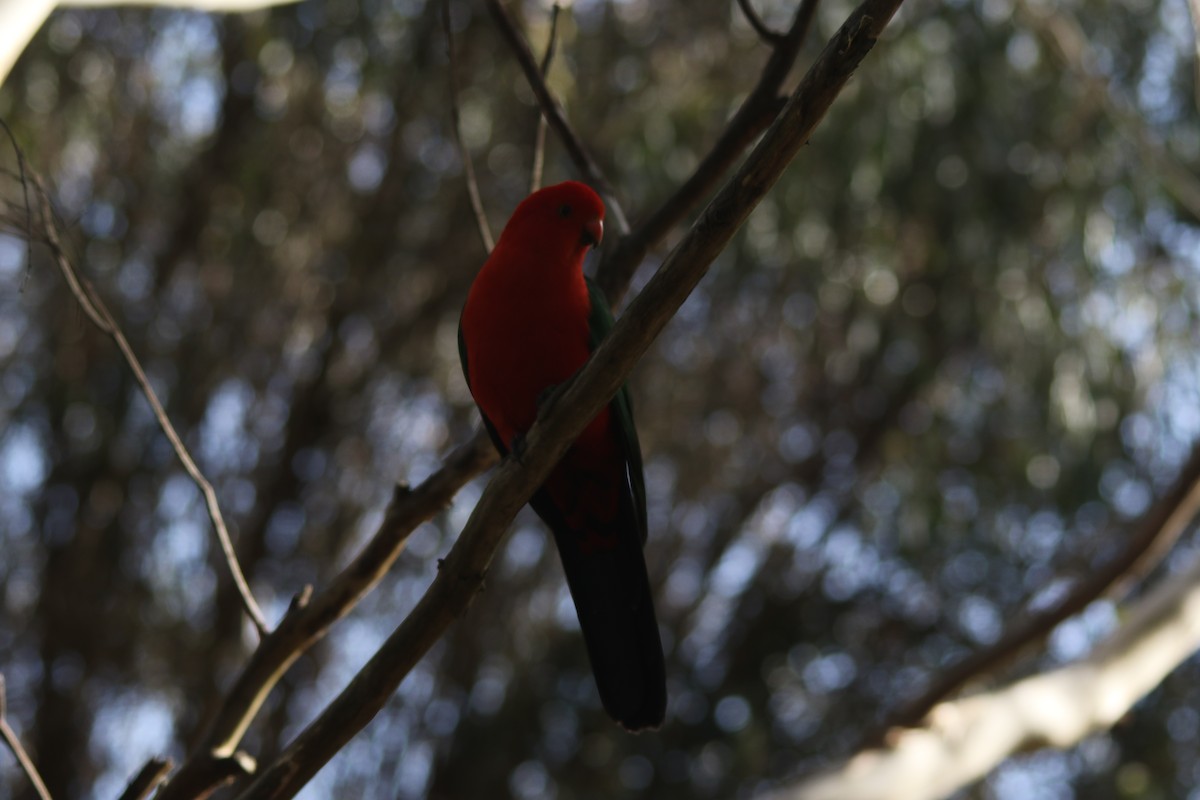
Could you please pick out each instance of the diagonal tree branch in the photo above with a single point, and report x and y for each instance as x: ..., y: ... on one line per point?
x: 965, y: 739
x: 147, y: 780
x: 481, y: 221
x: 461, y: 574
x: 309, y: 619
x: 23, y: 179
x: 761, y: 28
x: 557, y: 118
x: 14, y: 745
x: 539, y: 141
x: 756, y: 112
x: 99, y: 314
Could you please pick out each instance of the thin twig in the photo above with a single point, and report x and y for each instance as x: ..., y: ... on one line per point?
x: 756, y: 112
x: 539, y: 141
x: 485, y: 231
x: 147, y: 780
x: 95, y: 309
x: 557, y: 117
x: 207, y: 772
x: 307, y: 622
x: 461, y: 574
x: 23, y: 178
x: 14, y: 745
x: 764, y: 31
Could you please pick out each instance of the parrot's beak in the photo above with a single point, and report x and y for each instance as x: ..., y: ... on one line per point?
x: 593, y: 232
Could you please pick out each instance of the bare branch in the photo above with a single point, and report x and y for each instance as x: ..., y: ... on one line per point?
x: 485, y: 231
x: 14, y: 745
x: 756, y: 112
x: 461, y: 574
x: 965, y: 739
x: 557, y: 117
x: 147, y: 780
x: 207, y: 772
x: 308, y: 621
x: 539, y: 142
x: 94, y: 307
x: 1158, y: 531
x: 24, y: 181
x: 761, y: 28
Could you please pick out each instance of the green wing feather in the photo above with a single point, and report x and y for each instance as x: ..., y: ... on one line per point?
x: 621, y: 408
x: 501, y: 447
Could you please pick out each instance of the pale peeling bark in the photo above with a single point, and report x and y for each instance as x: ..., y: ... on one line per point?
x: 964, y: 739
x: 20, y: 20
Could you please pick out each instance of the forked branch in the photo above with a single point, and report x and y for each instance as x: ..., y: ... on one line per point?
x: 539, y: 141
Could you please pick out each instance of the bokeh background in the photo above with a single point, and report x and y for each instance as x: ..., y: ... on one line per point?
x: 937, y: 377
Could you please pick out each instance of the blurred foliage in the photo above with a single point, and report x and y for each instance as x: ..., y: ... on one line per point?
x: 942, y: 368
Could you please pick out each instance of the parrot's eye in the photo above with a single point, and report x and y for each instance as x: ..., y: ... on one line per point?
x: 564, y: 210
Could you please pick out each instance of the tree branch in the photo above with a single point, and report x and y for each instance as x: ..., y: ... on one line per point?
x: 965, y: 739
x: 23, y: 179
x: 461, y: 574
x: 761, y: 28
x: 539, y: 141
x: 309, y: 620
x: 481, y: 221
x: 14, y: 745
x: 147, y: 780
x: 99, y: 314
x: 756, y: 112
x: 1158, y: 531
x: 557, y: 117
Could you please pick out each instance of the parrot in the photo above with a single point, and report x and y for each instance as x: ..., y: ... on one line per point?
x: 530, y: 322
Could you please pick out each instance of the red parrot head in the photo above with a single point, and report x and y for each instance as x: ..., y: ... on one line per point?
x: 565, y: 220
